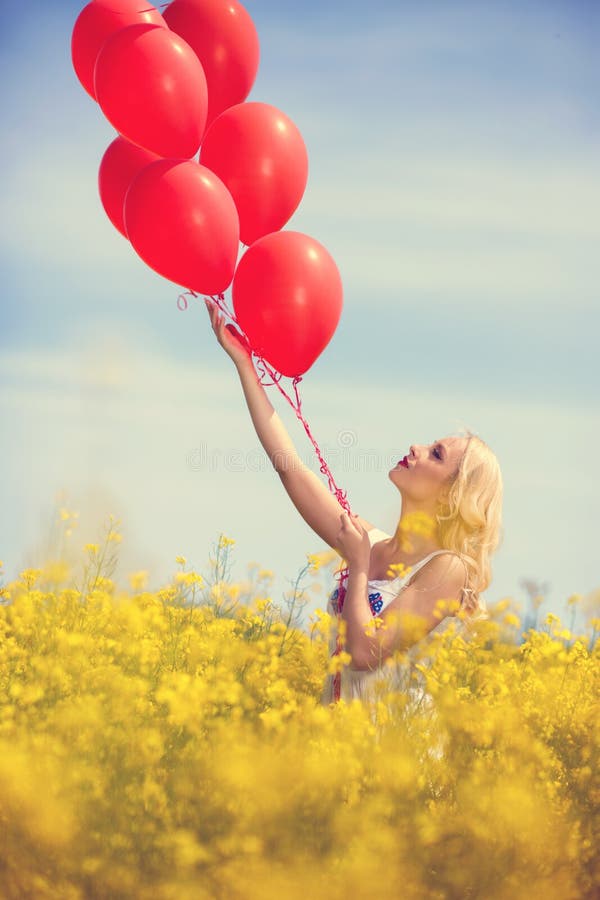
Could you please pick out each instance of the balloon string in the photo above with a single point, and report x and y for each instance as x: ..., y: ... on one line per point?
x: 261, y: 364
x: 276, y: 377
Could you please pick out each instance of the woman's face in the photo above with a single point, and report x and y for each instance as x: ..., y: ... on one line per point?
x: 429, y: 468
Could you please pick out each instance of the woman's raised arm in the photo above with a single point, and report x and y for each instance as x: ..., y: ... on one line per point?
x: 317, y: 506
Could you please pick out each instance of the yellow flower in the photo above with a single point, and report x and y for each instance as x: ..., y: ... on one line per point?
x: 314, y: 561
x: 65, y: 516
x: 139, y: 707
x: 92, y: 549
x: 318, y: 560
x: 446, y: 606
x: 321, y: 623
x: 30, y: 576
x: 234, y: 591
x: 181, y: 560
x: 418, y: 523
x: 398, y: 570
x: 188, y: 578
x: 225, y: 541
x: 342, y: 627
x: 103, y: 583
x: 138, y: 580
x: 262, y: 603
x: 374, y: 625
x: 188, y: 851
x: 338, y: 662
x: 56, y: 571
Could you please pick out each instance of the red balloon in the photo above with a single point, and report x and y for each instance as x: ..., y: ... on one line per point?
x: 287, y: 298
x: 151, y: 87
x: 226, y: 43
x: 182, y: 221
x: 258, y: 152
x: 95, y: 23
x: 120, y: 164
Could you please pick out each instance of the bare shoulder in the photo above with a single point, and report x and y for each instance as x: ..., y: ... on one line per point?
x: 426, y: 599
x: 444, y: 575
x: 445, y: 568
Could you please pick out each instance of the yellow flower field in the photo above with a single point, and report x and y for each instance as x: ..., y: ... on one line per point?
x: 171, y: 745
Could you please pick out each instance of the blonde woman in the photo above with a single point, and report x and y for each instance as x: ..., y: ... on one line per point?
x: 414, y: 581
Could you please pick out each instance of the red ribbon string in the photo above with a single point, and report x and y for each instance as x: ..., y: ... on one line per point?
x: 337, y: 678
x: 262, y: 365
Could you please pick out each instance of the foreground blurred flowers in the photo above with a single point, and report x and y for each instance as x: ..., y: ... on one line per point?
x: 171, y: 744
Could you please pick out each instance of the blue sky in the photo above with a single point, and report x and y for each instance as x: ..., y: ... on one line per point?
x: 453, y: 175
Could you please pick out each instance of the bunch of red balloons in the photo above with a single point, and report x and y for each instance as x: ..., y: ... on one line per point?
x: 195, y: 169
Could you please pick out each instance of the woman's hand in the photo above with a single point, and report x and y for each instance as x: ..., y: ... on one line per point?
x: 230, y: 339
x: 353, y: 541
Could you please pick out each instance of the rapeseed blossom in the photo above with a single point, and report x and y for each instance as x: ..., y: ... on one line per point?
x: 171, y: 744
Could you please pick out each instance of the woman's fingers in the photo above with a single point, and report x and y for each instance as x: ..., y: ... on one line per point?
x: 233, y: 342
x: 213, y: 312
x: 216, y: 318
x: 350, y: 519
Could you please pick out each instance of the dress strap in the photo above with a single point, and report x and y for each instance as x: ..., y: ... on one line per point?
x: 426, y: 559
x: 415, y: 568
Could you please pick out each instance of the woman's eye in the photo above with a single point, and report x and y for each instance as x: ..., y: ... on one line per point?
x: 439, y: 455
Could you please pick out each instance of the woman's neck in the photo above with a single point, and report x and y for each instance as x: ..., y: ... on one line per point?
x: 416, y: 536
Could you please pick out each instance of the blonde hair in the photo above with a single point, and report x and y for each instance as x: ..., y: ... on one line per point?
x: 470, y: 519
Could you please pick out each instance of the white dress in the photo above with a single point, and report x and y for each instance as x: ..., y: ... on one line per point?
x: 401, y: 675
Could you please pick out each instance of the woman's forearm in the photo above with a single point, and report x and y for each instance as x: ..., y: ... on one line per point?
x: 357, y: 614
x: 271, y: 431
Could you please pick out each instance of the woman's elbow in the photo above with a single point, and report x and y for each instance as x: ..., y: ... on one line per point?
x: 361, y: 661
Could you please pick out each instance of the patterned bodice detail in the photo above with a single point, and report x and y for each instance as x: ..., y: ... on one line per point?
x: 337, y: 598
